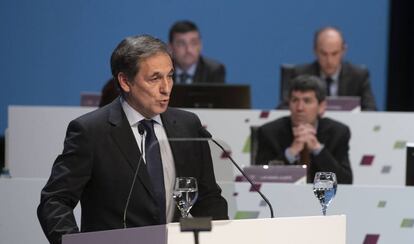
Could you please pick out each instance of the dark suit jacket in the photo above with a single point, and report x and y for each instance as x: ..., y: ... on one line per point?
x: 275, y: 136
x: 209, y: 71
x: 353, y: 81
x: 97, y: 166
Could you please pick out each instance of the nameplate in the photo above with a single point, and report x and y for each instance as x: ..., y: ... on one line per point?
x: 275, y: 173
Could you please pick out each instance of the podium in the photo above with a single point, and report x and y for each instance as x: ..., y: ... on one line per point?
x: 295, y: 230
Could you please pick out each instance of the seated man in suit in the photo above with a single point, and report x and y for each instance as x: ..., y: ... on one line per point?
x: 305, y: 137
x: 102, y: 153
x: 190, y: 66
x: 342, y: 78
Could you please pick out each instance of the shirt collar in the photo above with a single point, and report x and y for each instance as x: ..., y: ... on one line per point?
x: 190, y: 71
x: 134, y: 116
x: 335, y: 76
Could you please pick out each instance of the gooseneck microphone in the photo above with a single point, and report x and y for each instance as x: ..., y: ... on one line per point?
x: 207, y: 134
x: 141, y: 131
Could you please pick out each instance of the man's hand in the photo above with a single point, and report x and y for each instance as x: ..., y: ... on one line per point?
x: 304, y: 134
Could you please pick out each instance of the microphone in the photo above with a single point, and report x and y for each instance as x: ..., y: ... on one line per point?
x: 204, y: 133
x: 141, y: 131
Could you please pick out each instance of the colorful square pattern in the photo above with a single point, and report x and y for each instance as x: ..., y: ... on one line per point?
x: 381, y: 204
x: 407, y: 223
x: 386, y: 169
x: 226, y: 154
x: 367, y: 160
x: 371, y: 239
x: 247, y: 145
x: 257, y: 186
x: 264, y: 114
x: 377, y: 128
x: 399, y: 144
x: 246, y: 215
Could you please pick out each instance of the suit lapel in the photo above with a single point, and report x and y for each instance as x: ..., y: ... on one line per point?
x: 172, y: 130
x: 343, y: 81
x: 124, y: 138
x: 199, y: 75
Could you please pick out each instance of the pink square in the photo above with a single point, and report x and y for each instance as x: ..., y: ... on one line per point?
x: 225, y: 154
x: 371, y: 239
x: 257, y: 186
x: 264, y: 114
x: 367, y: 160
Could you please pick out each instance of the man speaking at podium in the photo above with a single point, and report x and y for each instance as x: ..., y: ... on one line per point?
x: 102, y: 153
x: 305, y: 137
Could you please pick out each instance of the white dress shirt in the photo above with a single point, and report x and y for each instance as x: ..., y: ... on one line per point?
x: 190, y: 72
x: 168, y: 165
x: 333, y: 89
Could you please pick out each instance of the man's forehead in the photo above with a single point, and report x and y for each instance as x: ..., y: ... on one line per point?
x: 156, y: 60
x: 304, y: 94
x: 191, y: 35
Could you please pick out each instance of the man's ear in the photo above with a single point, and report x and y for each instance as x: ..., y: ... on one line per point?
x: 123, y: 82
x: 322, y: 108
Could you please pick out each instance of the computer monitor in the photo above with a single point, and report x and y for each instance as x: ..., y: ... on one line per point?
x: 343, y: 103
x: 334, y: 103
x: 210, y: 96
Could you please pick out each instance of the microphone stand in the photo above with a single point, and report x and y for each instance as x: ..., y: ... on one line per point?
x: 246, y: 176
x: 141, y: 131
x: 207, y: 134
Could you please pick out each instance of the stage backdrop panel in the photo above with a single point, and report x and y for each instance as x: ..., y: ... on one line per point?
x: 371, y: 211
x: 382, y: 213
x: 377, y: 147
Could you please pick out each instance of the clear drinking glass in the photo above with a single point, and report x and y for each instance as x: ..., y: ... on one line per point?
x: 324, y: 188
x: 185, y: 194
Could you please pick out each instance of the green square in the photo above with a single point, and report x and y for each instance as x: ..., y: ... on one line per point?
x: 381, y: 204
x: 246, y: 148
x: 246, y: 215
x: 377, y: 128
x: 399, y: 145
x: 407, y: 223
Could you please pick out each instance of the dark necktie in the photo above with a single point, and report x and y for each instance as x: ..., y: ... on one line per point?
x: 184, y: 77
x: 304, y: 156
x: 154, y: 166
x: 328, y: 85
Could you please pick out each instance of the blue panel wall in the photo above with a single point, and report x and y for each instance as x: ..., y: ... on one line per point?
x: 53, y: 50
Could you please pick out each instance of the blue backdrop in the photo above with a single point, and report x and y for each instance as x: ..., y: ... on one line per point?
x: 52, y: 50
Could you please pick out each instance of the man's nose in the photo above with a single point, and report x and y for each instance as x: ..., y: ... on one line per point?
x: 166, y: 85
x: 188, y: 48
x: 329, y: 59
x: 300, y: 106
